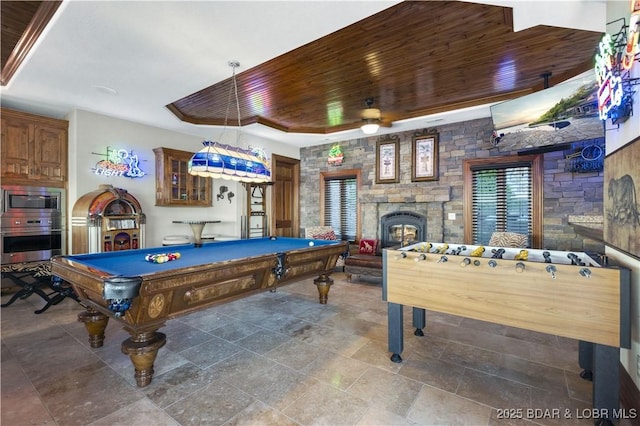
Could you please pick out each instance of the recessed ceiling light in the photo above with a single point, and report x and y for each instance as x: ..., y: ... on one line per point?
x: 106, y: 90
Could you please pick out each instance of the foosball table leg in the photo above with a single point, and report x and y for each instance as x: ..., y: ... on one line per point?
x: 600, y: 364
x: 585, y: 360
x: 606, y: 381
x: 395, y: 326
x: 419, y: 321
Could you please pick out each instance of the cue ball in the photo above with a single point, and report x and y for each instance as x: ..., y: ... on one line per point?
x: 311, y: 243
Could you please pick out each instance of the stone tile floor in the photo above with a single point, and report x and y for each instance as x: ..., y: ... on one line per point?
x: 283, y: 359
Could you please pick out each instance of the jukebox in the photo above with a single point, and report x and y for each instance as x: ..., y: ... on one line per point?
x: 108, y: 219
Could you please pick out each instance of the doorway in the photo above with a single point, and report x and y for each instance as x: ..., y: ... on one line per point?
x: 285, y: 200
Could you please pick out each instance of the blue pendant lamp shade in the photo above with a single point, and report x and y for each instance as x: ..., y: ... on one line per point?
x: 221, y: 161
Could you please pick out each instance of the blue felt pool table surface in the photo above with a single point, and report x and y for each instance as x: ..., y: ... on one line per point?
x: 132, y: 262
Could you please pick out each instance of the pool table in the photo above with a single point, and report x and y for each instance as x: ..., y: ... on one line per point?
x: 143, y: 295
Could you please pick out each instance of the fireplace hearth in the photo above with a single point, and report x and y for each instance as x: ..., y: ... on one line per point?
x: 402, y: 228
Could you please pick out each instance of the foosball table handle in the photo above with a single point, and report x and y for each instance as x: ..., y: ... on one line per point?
x: 552, y: 270
x: 585, y: 272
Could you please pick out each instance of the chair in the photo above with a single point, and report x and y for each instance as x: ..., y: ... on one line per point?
x: 366, y: 262
x: 508, y: 239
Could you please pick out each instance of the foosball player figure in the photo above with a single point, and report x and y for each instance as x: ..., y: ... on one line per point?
x: 443, y: 248
x: 522, y: 255
x: 477, y: 252
x: 497, y: 253
x: 575, y: 260
x: 458, y: 250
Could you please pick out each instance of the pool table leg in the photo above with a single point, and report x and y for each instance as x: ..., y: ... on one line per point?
x: 323, y: 282
x: 142, y: 348
x: 95, y: 323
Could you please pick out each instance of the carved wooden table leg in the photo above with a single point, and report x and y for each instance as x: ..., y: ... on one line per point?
x: 142, y: 349
x: 95, y: 323
x: 323, y: 282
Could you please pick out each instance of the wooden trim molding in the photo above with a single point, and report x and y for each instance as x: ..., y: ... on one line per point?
x: 38, y: 23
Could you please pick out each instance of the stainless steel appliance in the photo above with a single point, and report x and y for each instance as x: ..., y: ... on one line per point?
x: 31, y: 199
x: 32, y: 223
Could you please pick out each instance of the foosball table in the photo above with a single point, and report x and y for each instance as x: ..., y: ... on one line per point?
x: 574, y: 295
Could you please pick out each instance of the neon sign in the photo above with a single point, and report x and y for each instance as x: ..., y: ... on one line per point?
x: 119, y: 163
x: 632, y: 47
x: 610, y: 92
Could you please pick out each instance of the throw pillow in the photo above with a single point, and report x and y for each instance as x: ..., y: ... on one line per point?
x: 328, y: 235
x: 508, y: 239
x: 368, y: 246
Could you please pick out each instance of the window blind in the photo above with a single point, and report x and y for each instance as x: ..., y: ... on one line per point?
x: 340, y: 203
x: 502, y: 201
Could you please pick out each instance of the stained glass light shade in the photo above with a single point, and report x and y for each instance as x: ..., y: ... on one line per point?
x: 221, y: 161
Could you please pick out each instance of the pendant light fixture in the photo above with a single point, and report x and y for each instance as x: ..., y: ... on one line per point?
x: 370, y: 118
x: 222, y: 161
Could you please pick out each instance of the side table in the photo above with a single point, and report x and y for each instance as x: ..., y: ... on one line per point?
x: 196, y: 227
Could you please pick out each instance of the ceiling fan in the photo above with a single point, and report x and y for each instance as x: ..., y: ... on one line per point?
x: 371, y: 118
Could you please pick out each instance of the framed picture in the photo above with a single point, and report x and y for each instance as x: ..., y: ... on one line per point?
x: 424, y: 158
x: 621, y: 195
x: 388, y: 160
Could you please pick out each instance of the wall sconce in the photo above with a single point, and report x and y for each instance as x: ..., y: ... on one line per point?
x: 221, y: 192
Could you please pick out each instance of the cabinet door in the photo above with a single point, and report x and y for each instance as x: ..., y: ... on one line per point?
x: 174, y: 185
x: 50, y: 160
x: 16, y: 148
x: 179, y: 181
x: 200, y: 190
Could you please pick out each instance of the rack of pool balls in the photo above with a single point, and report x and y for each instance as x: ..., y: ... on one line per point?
x: 161, y: 257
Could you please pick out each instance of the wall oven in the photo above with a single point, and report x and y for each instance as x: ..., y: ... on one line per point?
x: 32, y: 223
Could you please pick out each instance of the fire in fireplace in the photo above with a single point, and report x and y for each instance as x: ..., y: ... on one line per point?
x: 402, y: 228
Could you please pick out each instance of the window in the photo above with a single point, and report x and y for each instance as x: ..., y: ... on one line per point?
x: 339, y: 203
x: 503, y: 194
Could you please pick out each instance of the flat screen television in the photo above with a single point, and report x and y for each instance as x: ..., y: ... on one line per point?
x: 570, y: 107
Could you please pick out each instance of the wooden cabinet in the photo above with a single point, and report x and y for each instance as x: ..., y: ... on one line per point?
x: 34, y: 149
x: 174, y: 185
x: 256, y: 210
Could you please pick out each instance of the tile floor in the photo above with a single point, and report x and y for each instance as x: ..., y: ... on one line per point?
x: 283, y: 359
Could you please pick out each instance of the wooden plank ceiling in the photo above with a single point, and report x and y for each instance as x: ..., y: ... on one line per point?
x: 414, y: 59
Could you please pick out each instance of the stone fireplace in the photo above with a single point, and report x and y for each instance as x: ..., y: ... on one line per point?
x: 401, y: 228
x: 373, y: 212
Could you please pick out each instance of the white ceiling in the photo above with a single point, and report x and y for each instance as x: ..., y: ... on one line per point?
x: 151, y: 53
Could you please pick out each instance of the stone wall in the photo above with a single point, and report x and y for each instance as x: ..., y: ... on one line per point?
x: 565, y: 193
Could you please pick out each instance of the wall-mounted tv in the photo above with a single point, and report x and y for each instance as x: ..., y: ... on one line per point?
x: 568, y: 111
